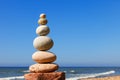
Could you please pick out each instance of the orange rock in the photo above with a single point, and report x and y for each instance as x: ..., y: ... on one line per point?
x: 45, y: 76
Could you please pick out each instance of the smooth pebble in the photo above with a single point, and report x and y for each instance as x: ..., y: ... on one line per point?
x: 42, y: 30
x: 43, y: 43
x: 44, y: 57
x: 43, y: 68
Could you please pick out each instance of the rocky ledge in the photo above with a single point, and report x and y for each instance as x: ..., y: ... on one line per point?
x: 45, y: 76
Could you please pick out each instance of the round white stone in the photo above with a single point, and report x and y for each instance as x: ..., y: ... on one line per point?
x: 42, y: 30
x: 44, y: 57
x: 42, y: 21
x: 43, y: 43
x: 42, y: 15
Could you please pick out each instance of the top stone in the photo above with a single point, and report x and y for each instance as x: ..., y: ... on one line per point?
x: 42, y: 20
x: 42, y: 15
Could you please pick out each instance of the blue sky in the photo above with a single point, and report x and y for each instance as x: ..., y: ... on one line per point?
x: 85, y: 32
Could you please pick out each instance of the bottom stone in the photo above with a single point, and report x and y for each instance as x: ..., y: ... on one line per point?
x: 45, y: 76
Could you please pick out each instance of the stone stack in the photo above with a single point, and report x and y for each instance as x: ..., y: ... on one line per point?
x: 43, y: 43
x: 44, y: 69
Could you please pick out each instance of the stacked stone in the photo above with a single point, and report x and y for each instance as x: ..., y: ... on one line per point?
x: 44, y: 69
x: 43, y: 43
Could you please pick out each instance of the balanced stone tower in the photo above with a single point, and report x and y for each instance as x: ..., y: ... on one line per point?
x: 44, y: 69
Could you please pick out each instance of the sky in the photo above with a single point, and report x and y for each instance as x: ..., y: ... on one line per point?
x: 85, y: 32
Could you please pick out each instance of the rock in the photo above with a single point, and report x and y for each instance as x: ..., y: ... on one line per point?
x: 45, y: 76
x: 43, y: 43
x: 42, y: 21
x: 42, y: 15
x: 42, y: 30
x: 43, y: 57
x: 43, y: 68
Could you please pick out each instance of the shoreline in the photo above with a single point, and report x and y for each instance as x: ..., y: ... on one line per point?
x: 116, y: 77
x: 104, y: 78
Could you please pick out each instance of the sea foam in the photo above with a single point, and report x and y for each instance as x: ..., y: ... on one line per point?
x: 80, y: 76
x: 13, y: 78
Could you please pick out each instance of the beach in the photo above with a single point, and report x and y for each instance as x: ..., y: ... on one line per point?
x: 104, y: 78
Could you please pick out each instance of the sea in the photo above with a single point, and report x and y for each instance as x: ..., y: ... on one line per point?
x: 72, y: 73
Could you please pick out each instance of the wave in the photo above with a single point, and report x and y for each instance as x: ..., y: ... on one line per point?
x: 13, y: 78
x: 26, y: 71
x: 73, y: 76
x: 72, y: 71
x: 65, y: 71
x: 80, y: 76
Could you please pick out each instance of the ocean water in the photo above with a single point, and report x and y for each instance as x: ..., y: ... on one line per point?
x: 72, y: 73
